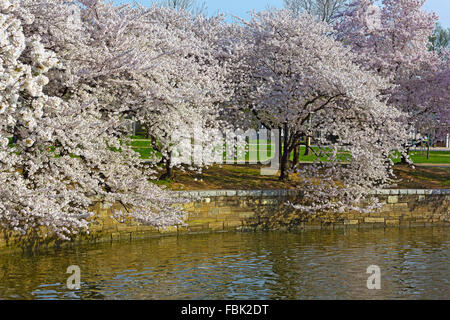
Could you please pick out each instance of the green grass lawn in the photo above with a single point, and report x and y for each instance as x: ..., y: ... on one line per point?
x: 263, y: 153
x: 440, y: 157
x: 143, y: 147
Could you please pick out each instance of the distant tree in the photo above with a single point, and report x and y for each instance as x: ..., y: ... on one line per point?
x: 393, y: 40
x: 288, y: 68
x: 196, y: 8
x: 440, y: 38
x: 324, y: 10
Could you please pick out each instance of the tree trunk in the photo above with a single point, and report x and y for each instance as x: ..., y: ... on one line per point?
x: 15, y: 137
x: 404, y: 161
x: 169, y: 174
x: 308, y: 146
x: 296, y: 156
x: 284, y: 174
x: 308, y: 139
x: 284, y: 170
x: 280, y: 145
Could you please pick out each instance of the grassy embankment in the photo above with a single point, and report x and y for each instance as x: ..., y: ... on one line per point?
x: 249, y: 177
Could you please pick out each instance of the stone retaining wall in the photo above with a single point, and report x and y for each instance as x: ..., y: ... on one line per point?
x: 231, y: 210
x: 253, y: 210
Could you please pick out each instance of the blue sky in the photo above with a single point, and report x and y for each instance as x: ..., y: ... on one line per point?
x: 241, y: 7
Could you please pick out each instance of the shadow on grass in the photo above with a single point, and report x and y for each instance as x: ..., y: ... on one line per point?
x: 248, y: 177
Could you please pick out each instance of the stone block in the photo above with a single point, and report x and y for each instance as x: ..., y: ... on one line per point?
x: 213, y: 211
x: 422, y: 220
x: 182, y: 229
x: 233, y: 224
x: 225, y: 210
x: 216, y: 226
x: 221, y: 203
x: 222, y: 193
x: 375, y: 214
x: 400, y: 207
x: 243, y: 193
x: 387, y: 208
x: 168, y: 230
x: 254, y: 193
x: 126, y: 228
x: 198, y: 222
x: 189, y: 206
x: 395, y: 214
x: 373, y: 220
x: 109, y: 227
x: 207, y: 193
x: 199, y: 205
x: 233, y: 202
x: 231, y: 217
x: 422, y: 212
x: 392, y: 199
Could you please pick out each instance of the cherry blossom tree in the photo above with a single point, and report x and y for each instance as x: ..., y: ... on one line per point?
x: 73, y: 71
x: 289, y: 68
x: 101, y: 47
x: 394, y: 43
x: 432, y: 91
x: 64, y: 154
x: 185, y: 92
x: 151, y: 65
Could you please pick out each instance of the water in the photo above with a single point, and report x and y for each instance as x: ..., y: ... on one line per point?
x: 275, y: 265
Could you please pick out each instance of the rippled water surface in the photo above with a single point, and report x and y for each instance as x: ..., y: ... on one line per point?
x: 309, y: 265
